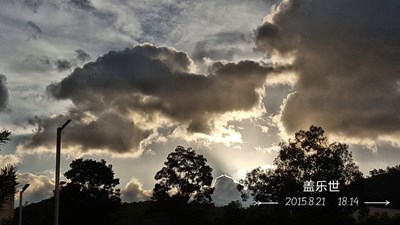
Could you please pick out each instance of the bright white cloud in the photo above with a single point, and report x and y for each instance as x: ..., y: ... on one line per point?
x: 226, y: 191
x: 134, y: 191
x: 9, y: 159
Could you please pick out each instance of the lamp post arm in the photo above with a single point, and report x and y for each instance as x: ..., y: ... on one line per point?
x: 57, y: 180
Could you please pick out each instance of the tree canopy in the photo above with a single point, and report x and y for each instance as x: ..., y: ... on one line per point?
x: 309, y: 156
x: 8, y: 182
x: 93, y: 179
x: 376, y: 172
x: 8, y: 178
x: 90, y: 196
x: 185, y: 178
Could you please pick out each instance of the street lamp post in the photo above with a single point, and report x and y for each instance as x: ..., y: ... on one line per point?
x: 20, y: 203
x: 57, y: 183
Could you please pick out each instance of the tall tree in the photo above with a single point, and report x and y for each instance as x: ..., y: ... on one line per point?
x: 185, y: 177
x: 309, y: 156
x: 8, y: 178
x: 90, y: 195
x: 8, y: 182
x: 92, y: 178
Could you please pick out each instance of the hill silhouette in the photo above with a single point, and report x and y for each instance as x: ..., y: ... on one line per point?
x: 379, y: 188
x: 376, y: 188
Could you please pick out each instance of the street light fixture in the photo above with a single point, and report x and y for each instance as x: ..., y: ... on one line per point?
x: 20, y: 202
x: 57, y: 183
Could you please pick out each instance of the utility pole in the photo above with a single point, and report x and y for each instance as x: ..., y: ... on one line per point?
x: 57, y: 183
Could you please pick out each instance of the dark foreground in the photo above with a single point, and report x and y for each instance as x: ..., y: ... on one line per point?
x: 152, y: 213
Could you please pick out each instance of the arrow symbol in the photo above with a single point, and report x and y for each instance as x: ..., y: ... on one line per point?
x: 258, y: 203
x: 386, y: 202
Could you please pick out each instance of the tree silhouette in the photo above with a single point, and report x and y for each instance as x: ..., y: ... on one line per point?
x: 4, y: 136
x: 260, y: 184
x: 8, y: 182
x: 309, y: 156
x: 92, y: 178
x: 376, y: 172
x: 91, y: 194
x: 185, y: 178
x: 8, y: 178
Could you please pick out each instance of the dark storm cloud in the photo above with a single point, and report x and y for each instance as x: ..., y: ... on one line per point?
x: 82, y: 55
x: 34, y: 30
x: 3, y: 93
x: 110, y: 131
x: 147, y: 80
x: 121, y: 79
x: 347, y: 56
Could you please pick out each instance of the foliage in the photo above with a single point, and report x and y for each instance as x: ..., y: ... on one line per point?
x: 309, y: 156
x: 91, y: 195
x: 92, y: 178
x: 8, y: 182
x: 376, y: 172
x: 185, y: 177
x: 260, y: 183
x: 4, y: 136
x: 380, y: 187
x: 7, y: 221
x: 150, y: 213
x: 8, y: 178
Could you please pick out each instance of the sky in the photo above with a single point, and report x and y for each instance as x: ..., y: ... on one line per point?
x: 229, y: 78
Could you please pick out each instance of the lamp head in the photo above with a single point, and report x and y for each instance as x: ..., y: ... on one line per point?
x: 65, y: 124
x: 25, y: 187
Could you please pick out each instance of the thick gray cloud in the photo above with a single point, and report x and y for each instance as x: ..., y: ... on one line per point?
x: 147, y: 80
x: 121, y: 79
x: 3, y: 93
x: 109, y: 131
x: 347, y: 56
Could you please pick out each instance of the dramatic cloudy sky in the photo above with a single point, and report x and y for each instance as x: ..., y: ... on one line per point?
x: 230, y: 78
